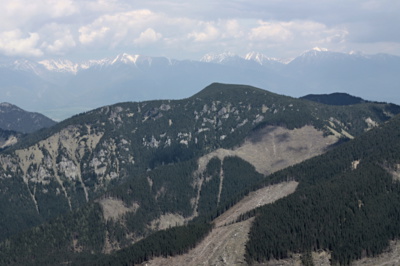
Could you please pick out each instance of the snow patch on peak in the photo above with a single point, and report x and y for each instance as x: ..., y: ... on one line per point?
x: 258, y: 57
x: 316, y: 51
x: 93, y: 63
x: 63, y: 66
x: 217, y: 58
x: 358, y: 54
x: 25, y: 65
x: 285, y: 60
x: 262, y: 59
x: 319, y: 49
x: 5, y: 104
x: 126, y: 59
x: 8, y: 107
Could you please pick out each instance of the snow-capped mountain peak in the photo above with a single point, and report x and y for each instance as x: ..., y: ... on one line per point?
x: 263, y: 59
x: 5, y: 104
x: 217, y: 58
x: 257, y: 57
x: 25, y: 65
x: 126, y: 59
x: 63, y: 66
x: 315, y: 52
x: 358, y: 54
x: 92, y: 63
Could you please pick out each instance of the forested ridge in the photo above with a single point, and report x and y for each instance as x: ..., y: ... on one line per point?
x: 79, y: 237
x: 352, y: 210
x: 334, y: 98
x: 144, y: 157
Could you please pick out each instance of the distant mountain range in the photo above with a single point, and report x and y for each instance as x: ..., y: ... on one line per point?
x: 61, y: 88
x: 14, y: 118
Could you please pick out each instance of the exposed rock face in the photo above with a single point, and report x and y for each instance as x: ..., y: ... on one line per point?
x: 57, y: 159
x: 82, y: 158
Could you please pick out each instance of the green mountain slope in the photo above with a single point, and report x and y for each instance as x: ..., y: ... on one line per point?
x: 347, y: 202
x: 121, y: 172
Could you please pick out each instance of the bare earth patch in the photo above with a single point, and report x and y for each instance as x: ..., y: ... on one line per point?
x: 321, y: 258
x: 389, y: 258
x: 274, y: 148
x: 256, y: 199
x: 225, y: 245
x: 114, y: 208
x: 268, y: 150
x: 9, y: 142
x: 166, y: 221
x: 394, y: 171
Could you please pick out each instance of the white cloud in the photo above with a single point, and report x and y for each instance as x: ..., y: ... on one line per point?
x: 61, y: 8
x: 89, y: 35
x: 26, y: 26
x: 148, y: 36
x: 300, y: 34
x: 27, y: 13
x: 232, y: 28
x: 58, y: 39
x: 209, y: 33
x: 335, y: 37
x: 187, y: 29
x: 16, y: 43
x: 272, y: 31
x: 176, y: 35
x: 118, y: 29
x: 104, y: 6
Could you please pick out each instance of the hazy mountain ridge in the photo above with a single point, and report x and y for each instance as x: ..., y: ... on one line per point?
x: 153, y: 148
x: 14, y: 118
x: 63, y: 88
x: 334, y: 98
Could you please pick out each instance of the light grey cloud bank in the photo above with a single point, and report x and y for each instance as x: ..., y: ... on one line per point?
x: 189, y: 29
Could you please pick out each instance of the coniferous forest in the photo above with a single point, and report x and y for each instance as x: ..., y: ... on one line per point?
x: 352, y: 211
x: 146, y: 159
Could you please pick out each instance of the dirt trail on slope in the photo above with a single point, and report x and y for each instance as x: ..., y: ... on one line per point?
x: 255, y: 199
x: 389, y: 258
x: 225, y: 245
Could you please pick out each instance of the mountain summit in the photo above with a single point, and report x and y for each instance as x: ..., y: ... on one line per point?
x: 61, y: 88
x: 106, y: 179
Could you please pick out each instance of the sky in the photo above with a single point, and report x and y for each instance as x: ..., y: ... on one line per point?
x: 93, y: 29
